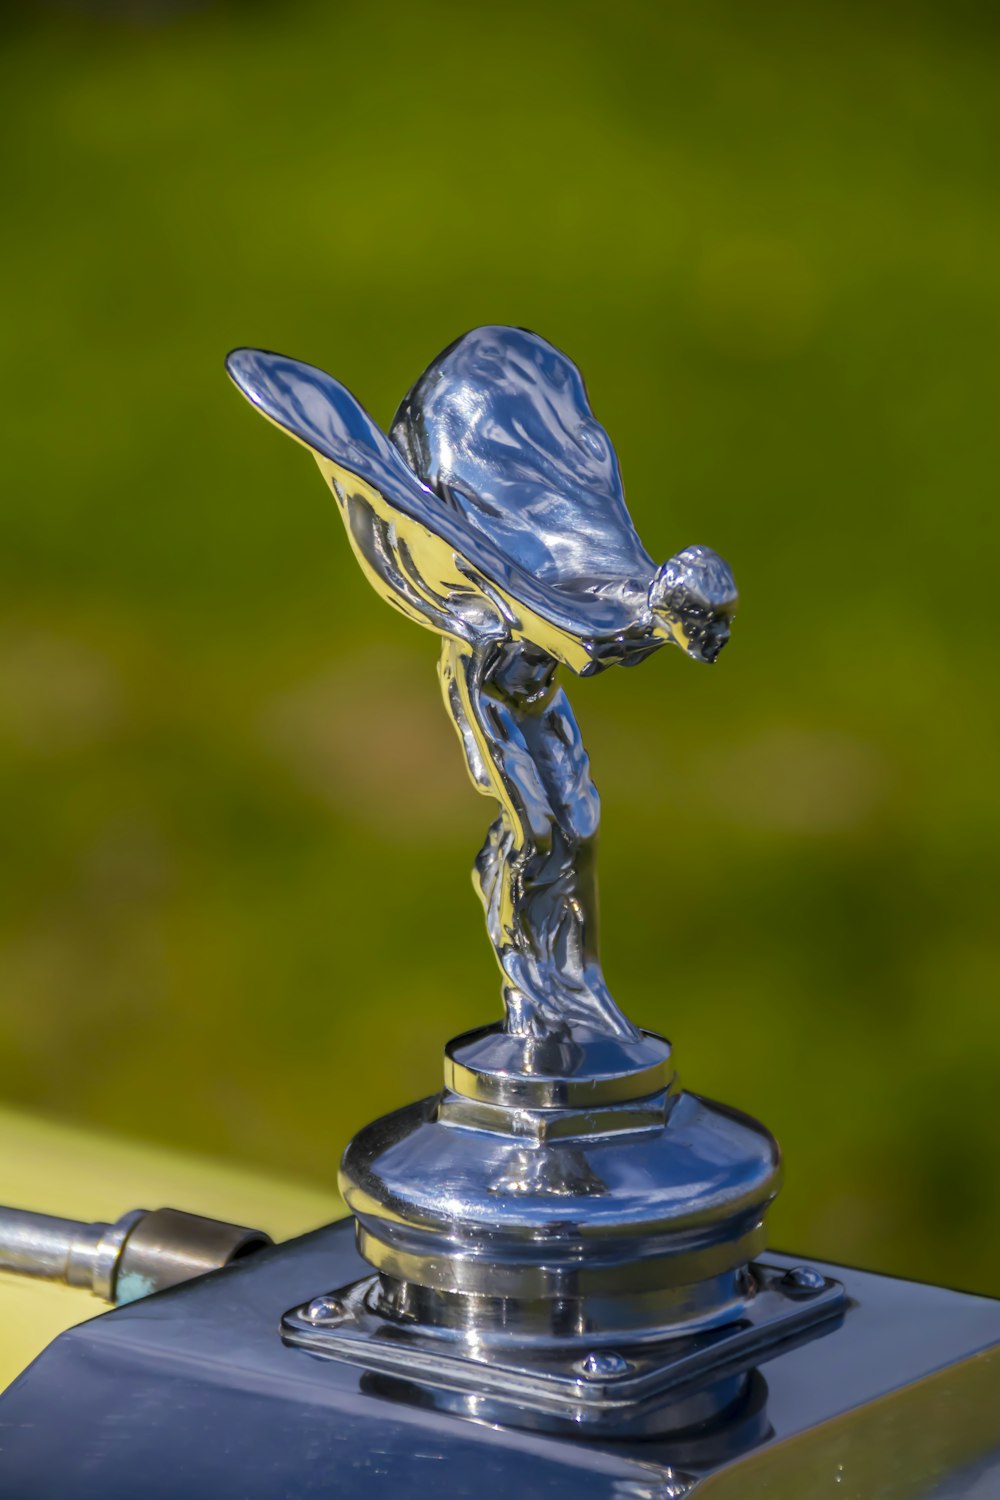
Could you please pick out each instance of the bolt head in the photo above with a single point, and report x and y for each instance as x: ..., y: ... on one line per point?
x: 805, y: 1280
x: 599, y: 1364
x: 325, y: 1310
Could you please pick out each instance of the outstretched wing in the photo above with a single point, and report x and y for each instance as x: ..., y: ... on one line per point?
x: 422, y: 550
x: 373, y: 486
x: 501, y: 429
x: 322, y: 414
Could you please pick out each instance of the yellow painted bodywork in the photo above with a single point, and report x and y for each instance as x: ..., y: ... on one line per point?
x: 58, y: 1169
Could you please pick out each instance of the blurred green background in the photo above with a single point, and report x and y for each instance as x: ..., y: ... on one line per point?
x: 234, y: 821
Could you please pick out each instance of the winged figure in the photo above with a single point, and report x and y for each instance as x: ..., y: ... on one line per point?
x: 493, y: 513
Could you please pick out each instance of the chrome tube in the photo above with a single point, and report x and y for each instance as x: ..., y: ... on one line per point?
x: 36, y: 1244
x: 67, y: 1250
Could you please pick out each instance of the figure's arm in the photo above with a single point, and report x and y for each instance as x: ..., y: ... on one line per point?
x: 499, y: 760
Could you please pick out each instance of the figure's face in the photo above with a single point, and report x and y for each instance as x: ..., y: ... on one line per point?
x: 699, y: 630
x: 693, y: 599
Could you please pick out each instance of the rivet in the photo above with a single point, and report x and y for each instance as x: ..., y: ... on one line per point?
x: 804, y: 1279
x: 325, y: 1310
x: 603, y: 1363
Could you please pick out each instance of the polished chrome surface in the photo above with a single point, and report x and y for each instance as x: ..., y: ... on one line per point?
x: 495, y: 516
x: 560, y: 1193
x: 655, y: 1386
x: 599, y: 1219
x: 141, y: 1252
x: 552, y: 1072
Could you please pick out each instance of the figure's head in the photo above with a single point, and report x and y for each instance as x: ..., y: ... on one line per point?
x: 693, y: 600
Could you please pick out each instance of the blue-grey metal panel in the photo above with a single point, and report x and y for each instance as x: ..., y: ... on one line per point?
x: 191, y: 1392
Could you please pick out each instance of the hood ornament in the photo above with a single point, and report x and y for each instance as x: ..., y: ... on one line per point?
x: 561, y: 1235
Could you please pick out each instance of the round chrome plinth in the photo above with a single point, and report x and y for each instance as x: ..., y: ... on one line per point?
x: 493, y: 1066
x: 636, y: 1213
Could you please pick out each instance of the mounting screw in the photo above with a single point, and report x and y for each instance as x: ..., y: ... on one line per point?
x: 325, y: 1310
x: 805, y: 1280
x: 597, y: 1364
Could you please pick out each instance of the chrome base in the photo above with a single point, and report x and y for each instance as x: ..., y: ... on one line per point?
x: 657, y: 1383
x: 558, y: 1201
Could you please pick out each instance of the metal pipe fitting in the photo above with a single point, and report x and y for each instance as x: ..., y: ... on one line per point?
x: 169, y: 1246
x: 142, y: 1252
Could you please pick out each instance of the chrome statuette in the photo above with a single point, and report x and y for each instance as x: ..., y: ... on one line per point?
x: 494, y: 514
x: 560, y: 1220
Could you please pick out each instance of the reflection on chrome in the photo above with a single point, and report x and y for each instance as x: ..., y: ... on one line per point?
x: 494, y: 514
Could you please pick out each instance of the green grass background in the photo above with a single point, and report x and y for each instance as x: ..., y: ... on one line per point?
x: 235, y: 911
